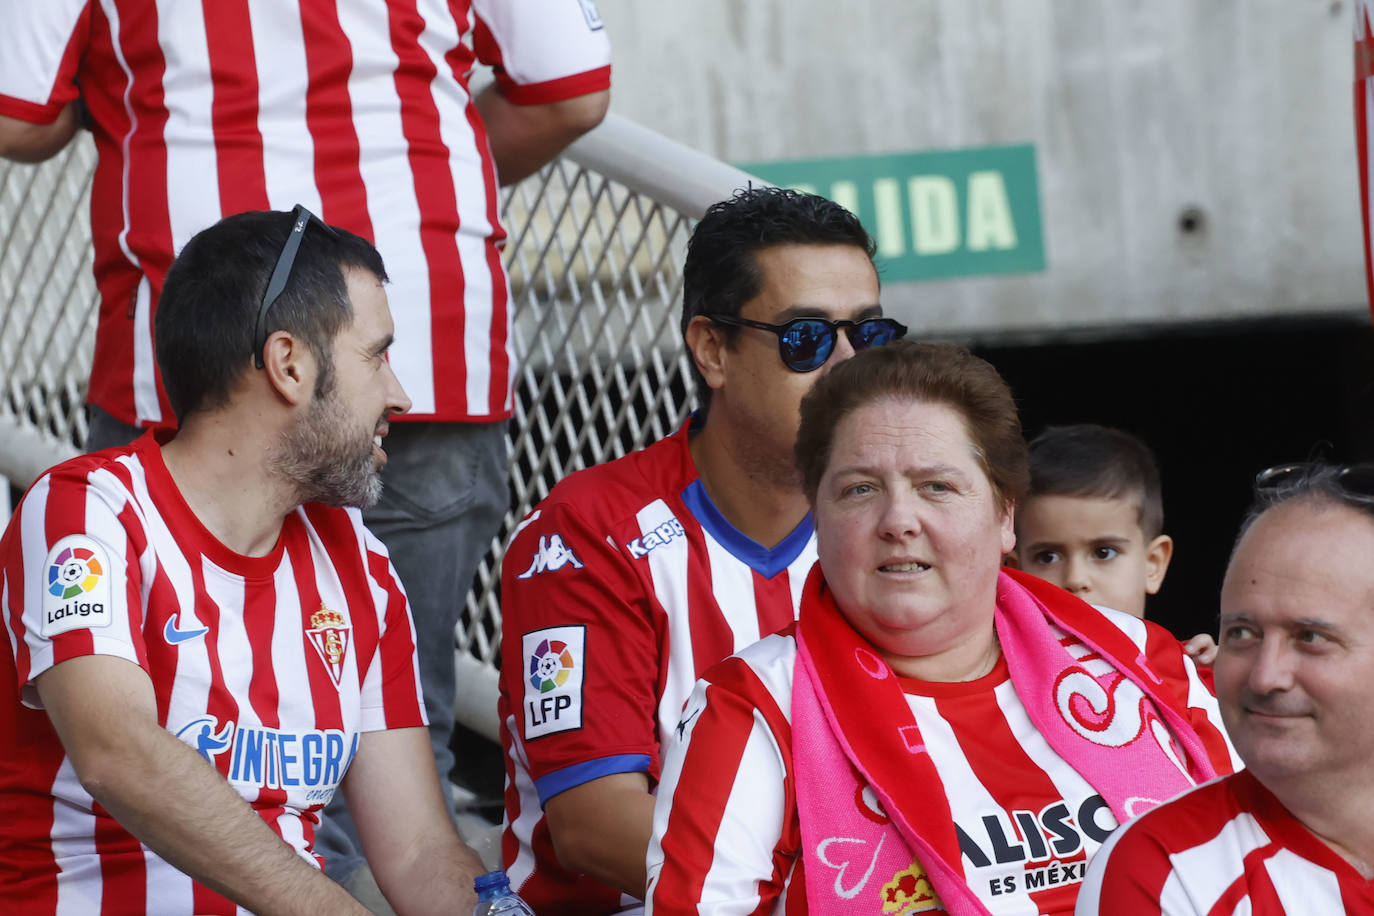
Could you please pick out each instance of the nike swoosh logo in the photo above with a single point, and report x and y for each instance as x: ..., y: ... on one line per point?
x: 174, y: 636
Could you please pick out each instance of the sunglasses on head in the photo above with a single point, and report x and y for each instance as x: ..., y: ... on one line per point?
x: 806, y: 343
x: 300, y: 219
x: 1356, y: 481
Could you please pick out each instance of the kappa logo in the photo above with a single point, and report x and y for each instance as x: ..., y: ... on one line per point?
x: 551, y: 556
x: 661, y: 535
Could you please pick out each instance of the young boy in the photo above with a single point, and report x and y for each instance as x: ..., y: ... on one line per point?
x: 1093, y: 521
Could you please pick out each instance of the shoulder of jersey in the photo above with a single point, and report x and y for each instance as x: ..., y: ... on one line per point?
x: 78, y: 470
x: 625, y: 484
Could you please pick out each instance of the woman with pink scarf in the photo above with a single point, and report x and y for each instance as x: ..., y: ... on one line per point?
x: 936, y: 733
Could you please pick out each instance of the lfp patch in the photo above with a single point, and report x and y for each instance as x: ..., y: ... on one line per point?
x: 555, y: 666
x: 76, y: 587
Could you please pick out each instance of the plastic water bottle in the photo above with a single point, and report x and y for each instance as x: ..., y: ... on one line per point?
x: 495, y: 898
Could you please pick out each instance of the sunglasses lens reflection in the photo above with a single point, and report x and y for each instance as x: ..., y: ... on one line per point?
x: 873, y: 332
x: 806, y: 343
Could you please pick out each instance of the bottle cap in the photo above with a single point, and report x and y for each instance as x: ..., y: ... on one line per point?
x: 490, y: 881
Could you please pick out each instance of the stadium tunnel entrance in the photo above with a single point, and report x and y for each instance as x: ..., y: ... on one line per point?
x: 1217, y: 402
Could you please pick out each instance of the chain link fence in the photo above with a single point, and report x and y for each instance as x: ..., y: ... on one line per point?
x: 596, y: 245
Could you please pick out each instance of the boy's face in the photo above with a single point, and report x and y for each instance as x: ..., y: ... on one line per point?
x: 1092, y: 547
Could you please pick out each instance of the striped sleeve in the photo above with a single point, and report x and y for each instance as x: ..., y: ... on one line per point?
x: 391, y: 696
x: 725, y: 836
x: 1184, y: 858
x: 40, y: 47
x: 543, y: 50
x: 73, y: 579
x: 1138, y: 870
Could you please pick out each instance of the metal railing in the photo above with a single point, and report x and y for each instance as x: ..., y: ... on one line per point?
x: 596, y: 245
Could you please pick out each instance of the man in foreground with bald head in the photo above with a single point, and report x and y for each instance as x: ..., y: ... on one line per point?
x: 1294, y: 832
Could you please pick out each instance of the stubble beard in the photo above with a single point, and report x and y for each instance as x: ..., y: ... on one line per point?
x: 327, y: 459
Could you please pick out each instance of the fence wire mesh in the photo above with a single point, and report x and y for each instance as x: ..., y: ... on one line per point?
x: 594, y: 270
x: 48, y: 299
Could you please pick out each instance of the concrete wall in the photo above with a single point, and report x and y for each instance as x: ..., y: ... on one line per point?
x: 1237, y: 112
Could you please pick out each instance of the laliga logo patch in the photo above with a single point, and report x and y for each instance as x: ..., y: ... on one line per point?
x: 77, y: 595
x: 74, y: 571
x: 551, y: 665
x: 328, y: 633
x: 555, y: 666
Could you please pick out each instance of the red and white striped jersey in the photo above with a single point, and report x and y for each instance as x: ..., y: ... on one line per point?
x: 358, y: 109
x: 1226, y: 848
x: 269, y: 667
x: 727, y: 835
x: 617, y: 592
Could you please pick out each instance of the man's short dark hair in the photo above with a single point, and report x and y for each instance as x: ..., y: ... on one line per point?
x: 203, y: 329
x: 1098, y: 462
x: 721, y: 272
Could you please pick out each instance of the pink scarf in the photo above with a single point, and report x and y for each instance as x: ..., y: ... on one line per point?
x: 872, y: 808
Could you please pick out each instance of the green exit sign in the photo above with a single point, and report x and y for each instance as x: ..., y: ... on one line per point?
x: 954, y: 213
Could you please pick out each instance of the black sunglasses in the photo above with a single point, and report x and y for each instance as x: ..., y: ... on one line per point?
x: 1356, y: 481
x: 806, y: 343
x: 300, y: 218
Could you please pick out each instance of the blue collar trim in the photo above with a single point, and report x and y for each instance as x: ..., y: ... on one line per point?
x: 765, y: 561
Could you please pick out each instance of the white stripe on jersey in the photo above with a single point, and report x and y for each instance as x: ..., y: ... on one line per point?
x: 474, y: 226
x: 1066, y: 780
x: 757, y: 796
x: 73, y: 843
x: 278, y: 37
x: 392, y: 205
x: 477, y: 310
x: 111, y: 11
x: 759, y: 792
x: 531, y: 813
x: 732, y: 581
x: 1299, y: 882
x: 1205, y: 881
x: 192, y: 166
x: 668, y: 567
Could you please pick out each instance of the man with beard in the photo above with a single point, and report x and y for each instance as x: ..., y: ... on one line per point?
x: 205, y: 641
x: 1294, y: 831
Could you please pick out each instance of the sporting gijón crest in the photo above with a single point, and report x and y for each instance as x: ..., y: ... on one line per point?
x: 329, y: 633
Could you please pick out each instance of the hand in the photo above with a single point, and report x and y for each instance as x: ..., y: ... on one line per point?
x: 1202, y: 649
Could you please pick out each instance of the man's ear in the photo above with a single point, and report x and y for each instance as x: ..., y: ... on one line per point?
x: 706, y: 342
x: 290, y: 367
x: 1157, y: 556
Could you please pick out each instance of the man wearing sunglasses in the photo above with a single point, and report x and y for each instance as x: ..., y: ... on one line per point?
x: 632, y: 577
x: 205, y: 641
x: 1294, y: 831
